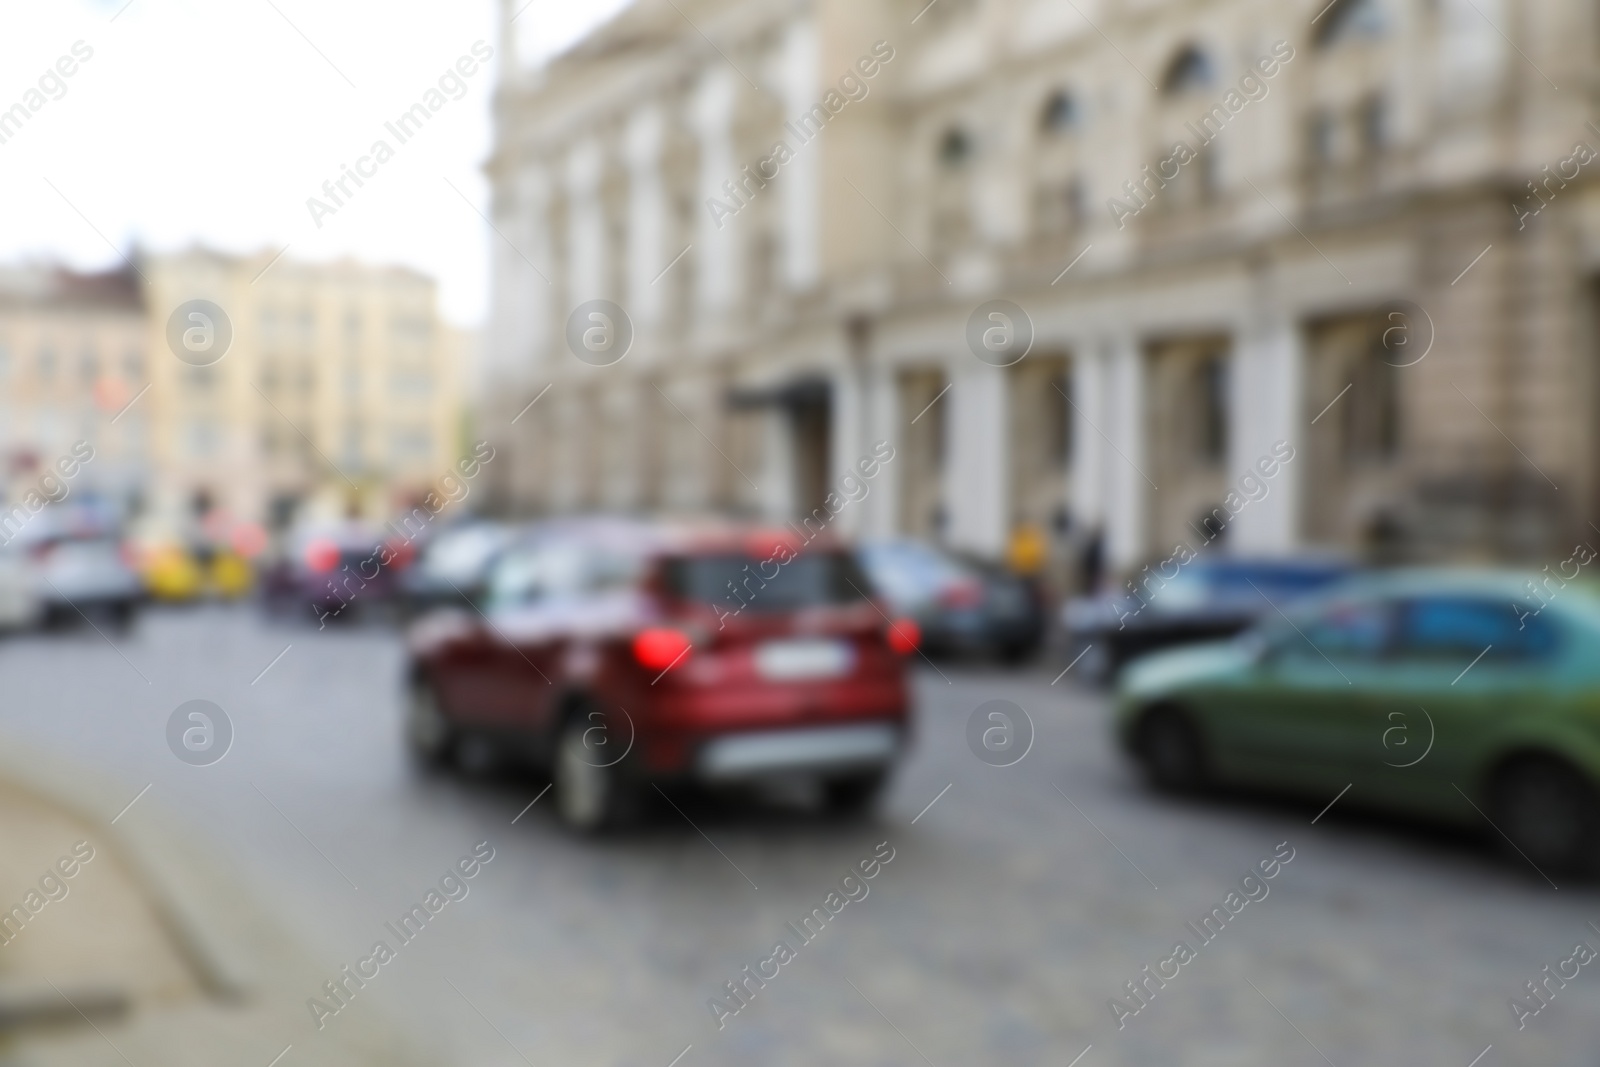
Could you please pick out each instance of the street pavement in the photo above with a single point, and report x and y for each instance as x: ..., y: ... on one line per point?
x: 1018, y: 902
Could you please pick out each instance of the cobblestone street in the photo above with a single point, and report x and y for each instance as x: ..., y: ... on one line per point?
x: 1017, y: 903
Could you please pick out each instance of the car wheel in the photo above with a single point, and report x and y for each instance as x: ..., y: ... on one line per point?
x: 856, y: 794
x: 590, y: 797
x: 1170, y: 750
x: 429, y: 734
x: 1550, y: 812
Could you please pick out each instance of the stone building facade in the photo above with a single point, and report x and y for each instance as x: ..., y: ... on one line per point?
x: 1367, y: 230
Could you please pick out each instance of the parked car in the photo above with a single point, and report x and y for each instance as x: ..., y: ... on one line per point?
x: 620, y: 655
x: 20, y: 606
x: 175, y: 571
x: 1449, y: 694
x: 1207, y: 598
x: 454, y: 564
x: 89, y: 576
x: 338, y: 572
x: 959, y: 605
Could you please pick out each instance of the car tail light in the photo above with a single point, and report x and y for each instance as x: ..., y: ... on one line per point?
x: 400, y: 553
x: 962, y: 595
x: 322, y: 555
x: 904, y: 636
x: 659, y: 648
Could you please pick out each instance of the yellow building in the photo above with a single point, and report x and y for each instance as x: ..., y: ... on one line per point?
x: 283, y: 390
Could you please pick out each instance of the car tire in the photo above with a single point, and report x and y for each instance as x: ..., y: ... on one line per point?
x: 430, y: 736
x: 1170, y: 750
x: 854, y: 795
x: 590, y: 798
x: 1549, y: 812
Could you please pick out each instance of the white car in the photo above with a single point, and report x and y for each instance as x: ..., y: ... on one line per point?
x: 20, y: 606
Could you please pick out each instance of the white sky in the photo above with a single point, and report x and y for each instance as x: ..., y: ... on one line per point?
x: 213, y: 121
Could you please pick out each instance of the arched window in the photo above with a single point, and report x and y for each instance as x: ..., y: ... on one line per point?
x: 1349, y: 19
x: 1189, y: 70
x: 955, y: 147
x: 1060, y: 112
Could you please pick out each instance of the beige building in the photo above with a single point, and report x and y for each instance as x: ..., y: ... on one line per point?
x: 337, y: 393
x: 73, y: 353
x: 303, y: 391
x: 1366, y: 229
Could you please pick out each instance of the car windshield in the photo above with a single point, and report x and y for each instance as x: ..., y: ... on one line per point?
x: 559, y: 569
x: 735, y: 581
x: 908, y: 572
x: 460, y: 555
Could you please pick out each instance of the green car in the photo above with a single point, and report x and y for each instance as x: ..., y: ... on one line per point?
x: 1467, y: 696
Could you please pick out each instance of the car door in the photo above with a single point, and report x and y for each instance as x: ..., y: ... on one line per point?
x: 1300, y: 719
x: 1461, y: 665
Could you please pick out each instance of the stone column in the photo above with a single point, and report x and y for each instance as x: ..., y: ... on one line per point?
x: 647, y: 218
x: 586, y: 225
x: 716, y: 255
x: 1127, y: 485
x: 975, y: 471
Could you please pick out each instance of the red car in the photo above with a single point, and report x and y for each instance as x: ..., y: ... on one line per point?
x: 619, y: 655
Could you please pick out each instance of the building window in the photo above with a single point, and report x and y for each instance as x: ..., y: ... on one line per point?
x: 1371, y: 421
x: 1060, y: 112
x: 412, y: 443
x: 1350, y: 20
x: 1211, y: 391
x: 1373, y: 117
x: 955, y: 147
x: 1321, y: 134
x: 1189, y: 71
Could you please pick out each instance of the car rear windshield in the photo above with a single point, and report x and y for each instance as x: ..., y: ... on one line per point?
x: 734, y: 581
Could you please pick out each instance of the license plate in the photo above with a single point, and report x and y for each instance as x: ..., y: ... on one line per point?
x: 790, y: 660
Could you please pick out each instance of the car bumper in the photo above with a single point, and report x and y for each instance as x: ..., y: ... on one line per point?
x: 822, y: 749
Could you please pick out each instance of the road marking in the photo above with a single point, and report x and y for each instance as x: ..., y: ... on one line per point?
x: 131, y: 803
x: 1073, y: 664
x: 686, y: 1049
x: 1085, y: 1052
x: 524, y: 811
x: 1481, y: 1055
x: 1331, y: 803
x: 931, y: 803
x: 285, y: 1052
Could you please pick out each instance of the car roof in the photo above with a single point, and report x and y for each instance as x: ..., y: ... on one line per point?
x: 1444, y: 581
x: 671, y: 537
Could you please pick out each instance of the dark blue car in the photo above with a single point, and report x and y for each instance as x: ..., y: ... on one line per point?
x: 1208, y: 598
